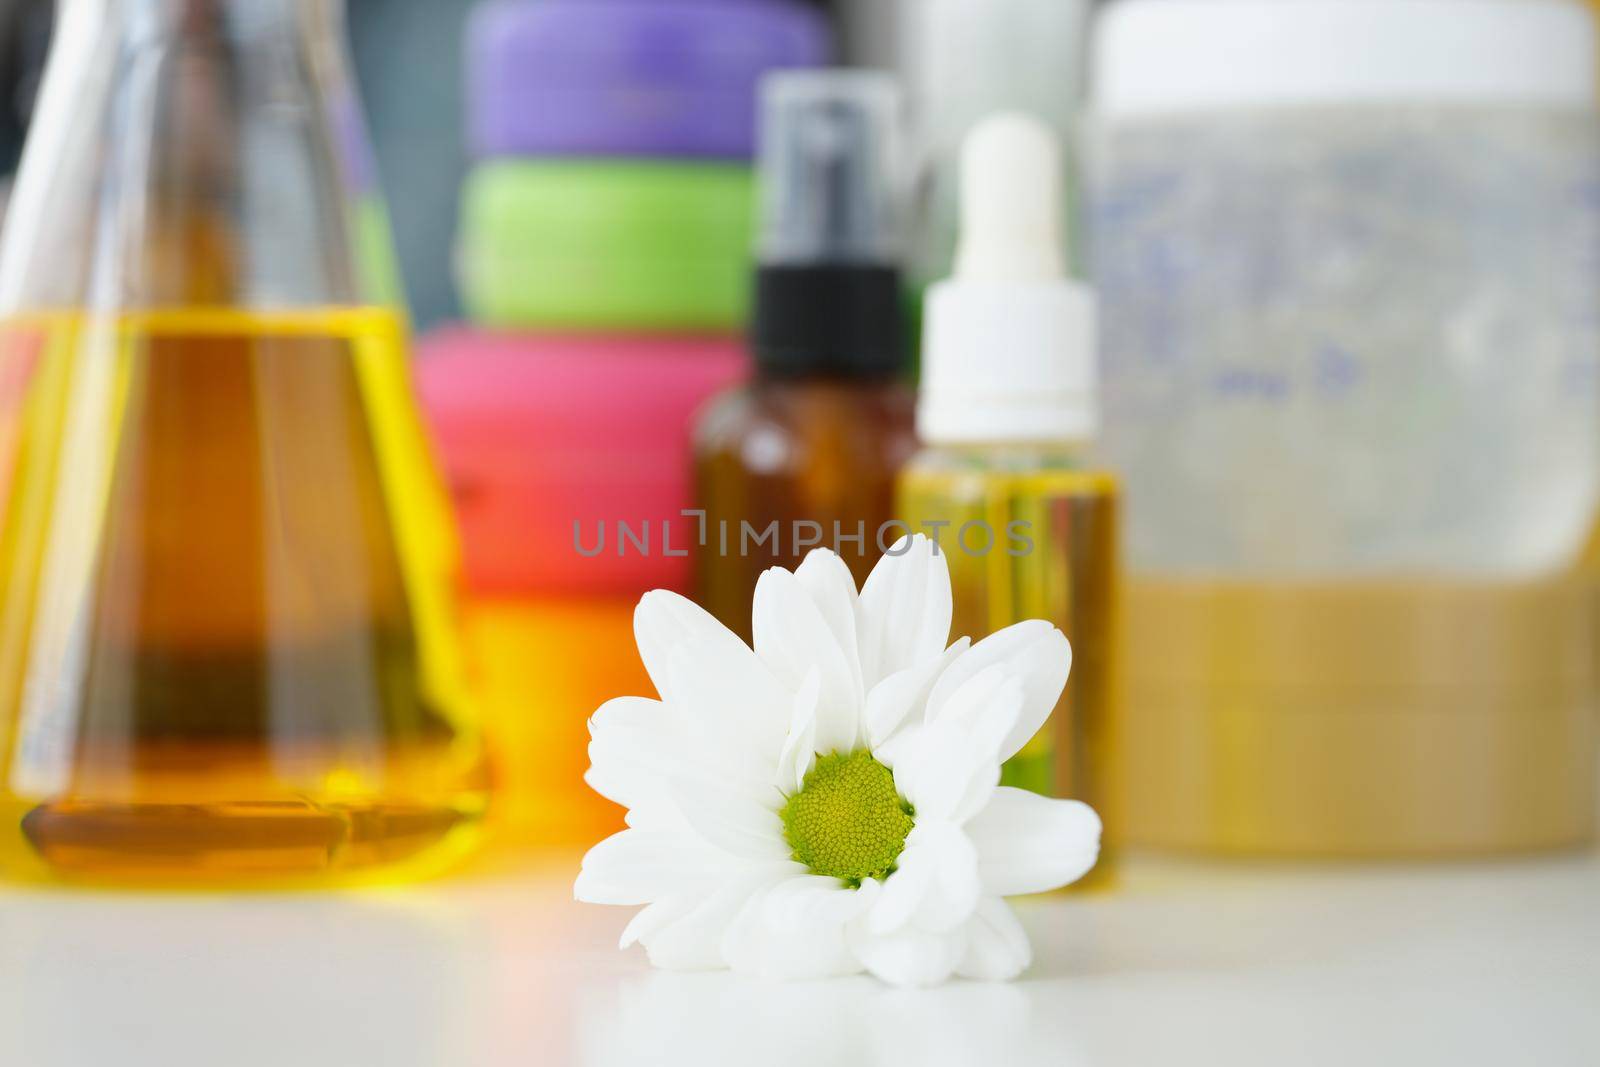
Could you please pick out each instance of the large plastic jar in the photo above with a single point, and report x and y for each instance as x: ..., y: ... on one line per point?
x: 1349, y: 259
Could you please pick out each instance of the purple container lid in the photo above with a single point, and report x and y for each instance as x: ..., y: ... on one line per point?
x: 657, y: 78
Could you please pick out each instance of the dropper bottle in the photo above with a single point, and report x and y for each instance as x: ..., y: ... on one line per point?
x: 806, y: 455
x: 1007, y: 414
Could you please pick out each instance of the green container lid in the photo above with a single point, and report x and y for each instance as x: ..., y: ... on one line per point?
x: 580, y: 244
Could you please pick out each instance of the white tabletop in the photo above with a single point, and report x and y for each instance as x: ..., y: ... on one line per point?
x: 1187, y: 964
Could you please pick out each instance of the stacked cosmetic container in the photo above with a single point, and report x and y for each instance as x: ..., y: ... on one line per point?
x: 603, y: 259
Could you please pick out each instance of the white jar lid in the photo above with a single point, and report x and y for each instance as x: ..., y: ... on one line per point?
x: 1163, y: 56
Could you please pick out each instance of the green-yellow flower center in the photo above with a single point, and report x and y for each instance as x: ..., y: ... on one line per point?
x: 847, y: 821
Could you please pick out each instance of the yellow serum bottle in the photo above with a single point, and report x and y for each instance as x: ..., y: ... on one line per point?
x: 1004, y: 484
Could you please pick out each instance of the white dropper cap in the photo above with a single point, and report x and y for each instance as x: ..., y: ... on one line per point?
x: 1008, y: 352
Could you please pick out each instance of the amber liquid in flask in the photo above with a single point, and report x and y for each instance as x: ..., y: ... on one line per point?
x: 227, y: 647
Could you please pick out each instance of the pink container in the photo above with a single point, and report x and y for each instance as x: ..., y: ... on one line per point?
x: 539, y: 432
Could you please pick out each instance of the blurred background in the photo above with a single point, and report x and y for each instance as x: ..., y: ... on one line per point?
x: 410, y: 65
x: 1348, y: 272
x: 413, y: 87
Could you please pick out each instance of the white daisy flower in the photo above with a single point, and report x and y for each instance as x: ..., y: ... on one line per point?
x: 829, y: 802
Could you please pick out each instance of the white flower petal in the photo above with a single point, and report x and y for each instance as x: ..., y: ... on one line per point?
x: 903, y: 615
x: 658, y: 916
x: 935, y: 886
x: 740, y: 721
x: 795, y: 930
x: 949, y: 769
x: 800, y: 747
x: 832, y: 588
x: 890, y: 752
x: 665, y: 621
x: 997, y: 945
x: 992, y: 696
x: 639, y: 747
x: 1032, y: 844
x: 793, y: 640
x: 731, y: 821
x: 909, y: 958
x: 632, y: 748
x: 901, y: 699
x: 685, y: 932
x: 698, y: 665
x: 642, y: 866
x: 1037, y: 653
x: 973, y: 726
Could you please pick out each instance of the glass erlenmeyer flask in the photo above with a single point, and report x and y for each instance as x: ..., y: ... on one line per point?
x: 226, y: 648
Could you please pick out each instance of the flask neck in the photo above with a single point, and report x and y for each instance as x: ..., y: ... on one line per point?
x: 196, y: 152
x: 209, y: 21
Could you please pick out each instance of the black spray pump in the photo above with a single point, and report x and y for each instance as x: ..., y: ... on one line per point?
x: 828, y: 285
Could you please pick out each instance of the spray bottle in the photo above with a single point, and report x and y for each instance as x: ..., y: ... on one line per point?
x: 805, y: 456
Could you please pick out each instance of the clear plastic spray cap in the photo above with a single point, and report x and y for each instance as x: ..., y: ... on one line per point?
x: 828, y: 168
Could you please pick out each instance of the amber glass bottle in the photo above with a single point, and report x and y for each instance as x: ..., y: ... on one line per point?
x: 806, y: 455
